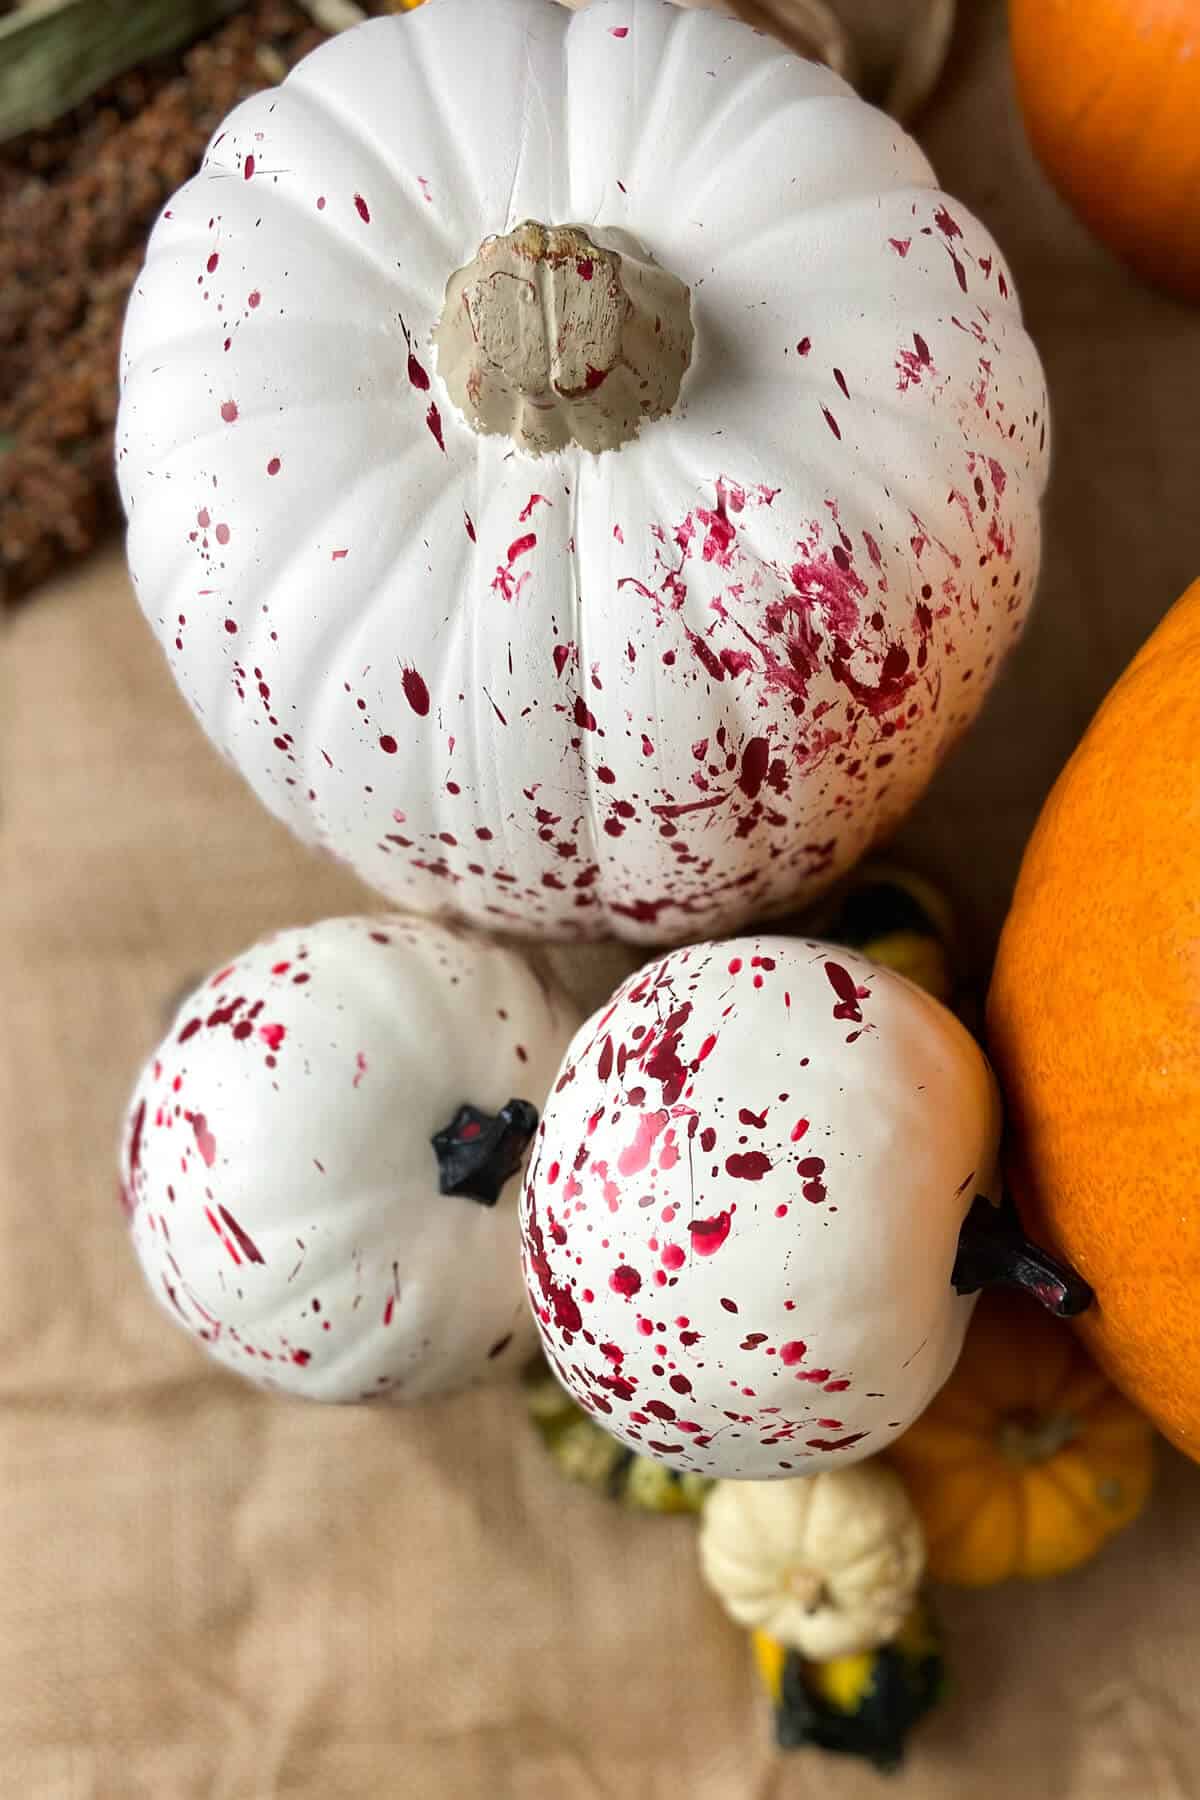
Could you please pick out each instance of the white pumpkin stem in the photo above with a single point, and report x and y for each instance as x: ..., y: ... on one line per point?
x: 553, y: 339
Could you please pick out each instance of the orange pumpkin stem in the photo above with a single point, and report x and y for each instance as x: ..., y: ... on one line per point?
x: 993, y: 1251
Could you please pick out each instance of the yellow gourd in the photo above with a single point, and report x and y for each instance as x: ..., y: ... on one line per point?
x: 1028, y: 1460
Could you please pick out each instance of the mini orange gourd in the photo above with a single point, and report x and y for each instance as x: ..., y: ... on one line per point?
x: 1028, y: 1460
x: 1094, y: 1026
x: 1110, y: 92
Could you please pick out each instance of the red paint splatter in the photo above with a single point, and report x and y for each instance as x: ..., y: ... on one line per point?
x: 362, y: 208
x: 619, y: 31
x: 415, y: 692
x: 388, y: 744
x: 634, y: 1158
x: 749, y: 1165
x: 206, y: 1143
x: 673, y: 1256
x: 846, y: 989
x: 842, y: 1443
x: 804, y: 346
x: 832, y: 423
x: 755, y: 762
x: 229, y: 411
x: 273, y: 467
x: 811, y: 1169
x: 662, y: 1063
x: 708, y: 1235
x: 250, y: 1249
x: 895, y: 678
x: 901, y: 246
x: 433, y: 420
x: 625, y: 1280
x: 272, y: 1035
x: 470, y: 524
x: 946, y: 225
x: 566, y: 1310
x: 792, y: 1353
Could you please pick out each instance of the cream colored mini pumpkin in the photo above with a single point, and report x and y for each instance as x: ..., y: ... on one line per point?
x: 828, y: 1566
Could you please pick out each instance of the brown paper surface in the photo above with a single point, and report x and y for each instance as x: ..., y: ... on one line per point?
x: 208, y: 1594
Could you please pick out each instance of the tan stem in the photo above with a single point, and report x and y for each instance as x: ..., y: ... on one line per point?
x: 552, y: 337
x: 1025, y: 1438
x: 806, y: 1586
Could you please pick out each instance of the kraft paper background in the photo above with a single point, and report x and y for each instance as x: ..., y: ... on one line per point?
x: 206, y: 1594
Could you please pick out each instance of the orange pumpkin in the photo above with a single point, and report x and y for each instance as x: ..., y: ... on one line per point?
x: 1027, y: 1460
x: 1094, y: 1026
x: 1110, y: 91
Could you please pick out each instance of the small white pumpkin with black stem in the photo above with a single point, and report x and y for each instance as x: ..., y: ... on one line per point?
x: 761, y: 1192
x: 321, y: 1159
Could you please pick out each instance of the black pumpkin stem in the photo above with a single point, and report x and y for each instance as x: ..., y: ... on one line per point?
x: 477, y: 1152
x: 993, y: 1251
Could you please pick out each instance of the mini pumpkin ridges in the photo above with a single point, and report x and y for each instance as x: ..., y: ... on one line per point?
x: 1028, y: 1460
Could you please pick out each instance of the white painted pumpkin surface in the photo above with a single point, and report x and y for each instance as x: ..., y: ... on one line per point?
x: 743, y: 1207
x: 278, y: 1168
x: 829, y: 1566
x: 654, y: 689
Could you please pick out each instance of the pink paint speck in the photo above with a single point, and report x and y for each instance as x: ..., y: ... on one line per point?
x: 619, y: 31
x: 274, y: 466
x: 206, y: 1143
x: 248, y: 168
x: 229, y: 411
x: 272, y: 1035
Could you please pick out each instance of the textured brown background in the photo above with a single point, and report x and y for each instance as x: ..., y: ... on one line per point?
x: 207, y: 1593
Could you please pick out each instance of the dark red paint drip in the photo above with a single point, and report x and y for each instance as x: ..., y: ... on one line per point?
x: 415, y: 692
x: 755, y: 762
x: 250, y: 1249
x: 846, y: 989
x: 750, y: 1165
x: 364, y: 212
x: 433, y: 420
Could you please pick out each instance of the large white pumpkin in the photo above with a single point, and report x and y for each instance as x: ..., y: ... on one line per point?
x: 625, y: 578
x: 741, y: 1219
x: 279, y: 1167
